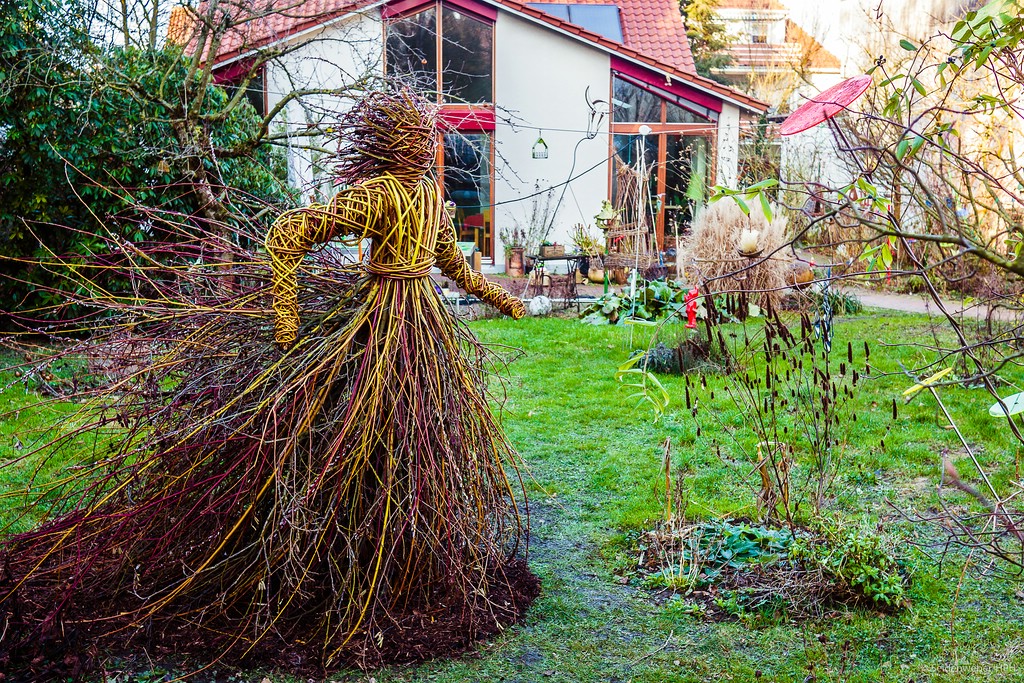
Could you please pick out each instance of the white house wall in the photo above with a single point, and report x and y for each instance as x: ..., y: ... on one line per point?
x: 812, y: 156
x: 541, y: 80
x: 334, y: 56
x: 728, y: 144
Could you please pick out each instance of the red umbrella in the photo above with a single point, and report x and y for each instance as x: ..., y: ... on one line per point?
x: 825, y: 105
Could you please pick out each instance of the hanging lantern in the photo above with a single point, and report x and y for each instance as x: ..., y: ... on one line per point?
x: 540, y: 148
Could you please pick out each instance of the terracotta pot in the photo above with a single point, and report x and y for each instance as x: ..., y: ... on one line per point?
x: 514, y: 262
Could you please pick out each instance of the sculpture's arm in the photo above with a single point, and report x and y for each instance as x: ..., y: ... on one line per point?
x: 453, y: 264
x: 297, y: 232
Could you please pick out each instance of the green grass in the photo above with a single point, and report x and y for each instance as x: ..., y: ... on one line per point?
x: 592, y: 467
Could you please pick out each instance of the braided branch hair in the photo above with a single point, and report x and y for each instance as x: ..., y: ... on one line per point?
x: 392, y: 131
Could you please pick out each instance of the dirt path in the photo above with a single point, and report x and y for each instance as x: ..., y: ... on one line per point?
x: 915, y: 303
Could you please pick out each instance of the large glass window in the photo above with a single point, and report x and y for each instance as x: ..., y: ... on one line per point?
x: 467, y: 182
x: 466, y: 55
x: 633, y: 104
x: 412, y: 49
x: 676, y: 150
x: 463, y: 44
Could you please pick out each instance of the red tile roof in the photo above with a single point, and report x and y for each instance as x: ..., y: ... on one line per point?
x: 653, y: 32
x: 750, y: 4
x: 258, y: 22
x: 654, y: 27
x: 690, y: 77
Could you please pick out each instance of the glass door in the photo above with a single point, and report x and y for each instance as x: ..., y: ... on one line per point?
x: 467, y: 182
x: 680, y: 170
x: 687, y: 172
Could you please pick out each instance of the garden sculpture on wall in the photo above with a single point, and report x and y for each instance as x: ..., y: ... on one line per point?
x: 335, y: 496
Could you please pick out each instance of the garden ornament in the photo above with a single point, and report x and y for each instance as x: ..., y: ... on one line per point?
x: 1011, y: 405
x: 825, y: 105
x: 691, y: 307
x: 540, y: 306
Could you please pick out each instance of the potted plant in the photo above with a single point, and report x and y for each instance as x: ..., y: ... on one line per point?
x: 591, y: 248
x: 514, y: 241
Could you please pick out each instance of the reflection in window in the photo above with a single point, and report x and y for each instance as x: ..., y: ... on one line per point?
x: 467, y: 51
x: 633, y: 104
x: 676, y: 114
x: 687, y: 168
x: 412, y: 49
x: 467, y: 182
x: 254, y: 91
x: 466, y: 55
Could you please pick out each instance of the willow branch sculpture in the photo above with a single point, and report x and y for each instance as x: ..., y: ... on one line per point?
x: 334, y: 494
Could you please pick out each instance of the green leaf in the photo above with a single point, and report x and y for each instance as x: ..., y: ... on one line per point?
x: 916, y: 144
x: 762, y: 185
x: 765, y: 206
x: 901, y: 148
x: 743, y: 205
x: 885, y: 255
x: 907, y: 45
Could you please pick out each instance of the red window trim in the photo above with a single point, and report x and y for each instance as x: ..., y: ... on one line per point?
x: 707, y: 115
x: 477, y: 119
x: 232, y: 74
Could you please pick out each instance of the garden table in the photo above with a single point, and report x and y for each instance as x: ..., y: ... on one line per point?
x: 569, y: 294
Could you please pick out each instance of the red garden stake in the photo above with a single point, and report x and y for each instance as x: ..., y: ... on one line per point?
x: 691, y: 308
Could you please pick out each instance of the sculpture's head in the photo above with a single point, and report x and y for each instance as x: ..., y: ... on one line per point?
x: 392, y: 132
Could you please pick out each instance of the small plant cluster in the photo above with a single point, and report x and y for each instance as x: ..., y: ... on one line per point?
x: 585, y: 242
x: 746, y: 570
x: 513, y: 238
x: 842, y: 303
x: 794, y: 400
x: 651, y: 301
x: 858, y: 559
x: 688, y: 353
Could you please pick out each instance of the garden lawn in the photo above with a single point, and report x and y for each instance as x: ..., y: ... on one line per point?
x: 592, y: 467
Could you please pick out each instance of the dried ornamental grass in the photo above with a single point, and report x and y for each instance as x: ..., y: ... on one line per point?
x: 710, y: 258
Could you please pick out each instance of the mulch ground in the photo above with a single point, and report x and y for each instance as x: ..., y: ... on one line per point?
x: 444, y: 630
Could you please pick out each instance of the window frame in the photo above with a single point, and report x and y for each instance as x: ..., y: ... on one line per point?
x: 472, y: 9
x: 459, y: 117
x: 662, y: 130
x: 475, y: 129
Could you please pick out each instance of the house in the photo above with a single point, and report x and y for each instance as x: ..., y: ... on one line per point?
x: 539, y: 98
x: 774, y: 58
